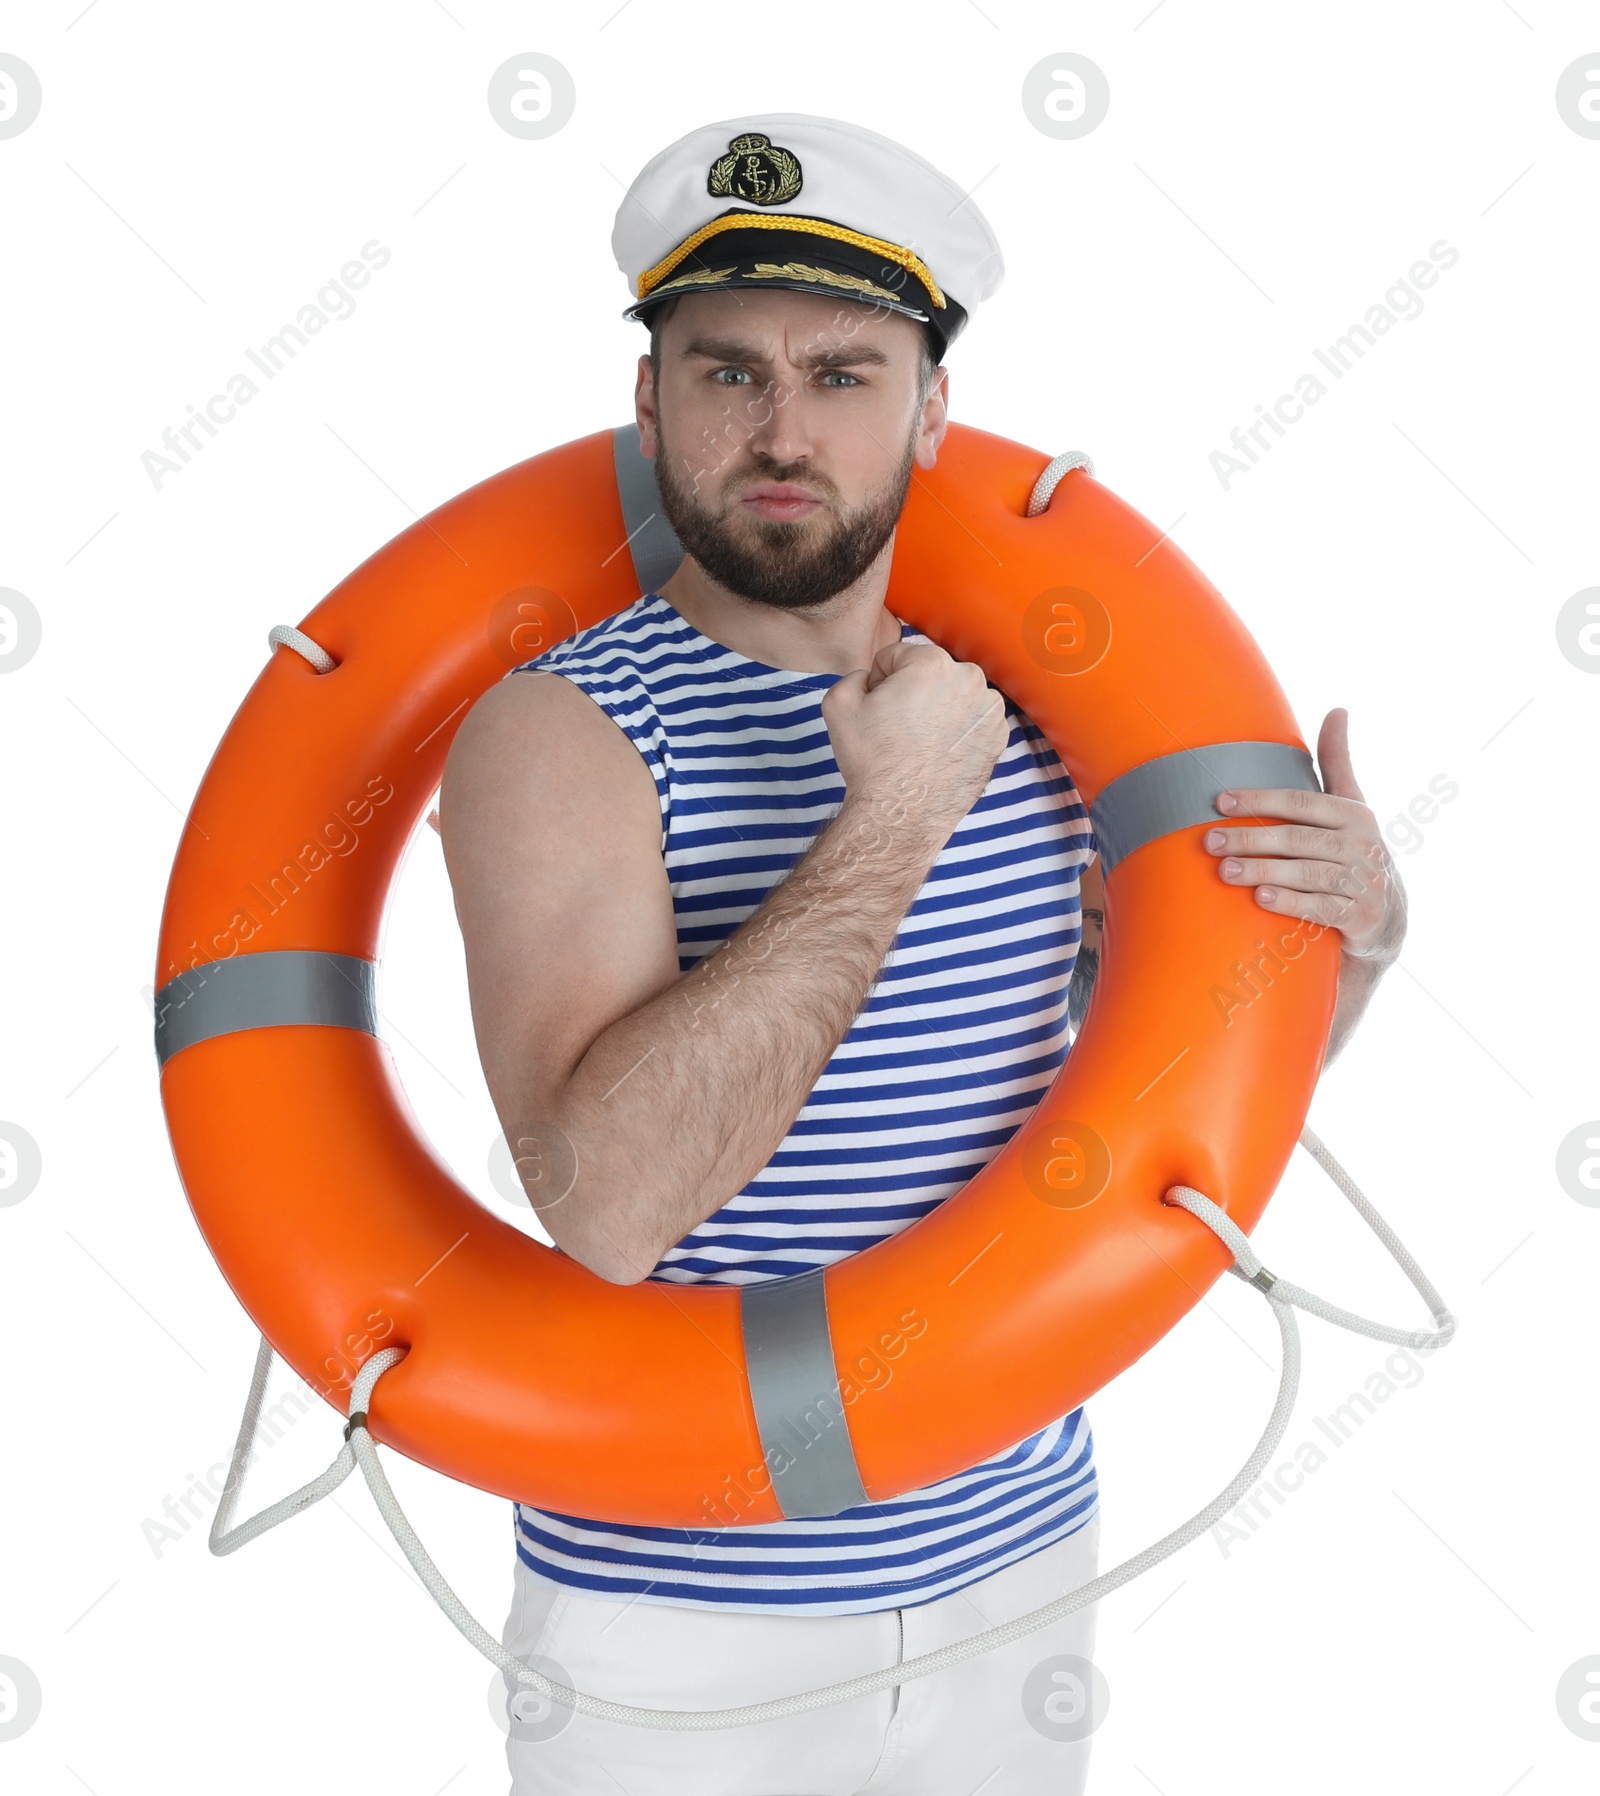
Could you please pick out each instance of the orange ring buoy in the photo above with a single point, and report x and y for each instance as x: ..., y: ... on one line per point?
x: 670, y: 1405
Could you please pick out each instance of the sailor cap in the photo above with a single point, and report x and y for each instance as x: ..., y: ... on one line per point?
x: 817, y: 205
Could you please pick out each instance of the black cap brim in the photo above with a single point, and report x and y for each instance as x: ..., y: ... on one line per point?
x: 763, y: 256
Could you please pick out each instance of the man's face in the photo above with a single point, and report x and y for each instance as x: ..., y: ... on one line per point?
x: 785, y: 427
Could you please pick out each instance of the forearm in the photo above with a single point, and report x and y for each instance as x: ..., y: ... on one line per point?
x: 678, y: 1105
x: 1358, y: 979
x: 1085, y: 968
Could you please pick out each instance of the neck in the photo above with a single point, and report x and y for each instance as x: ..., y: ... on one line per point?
x: 842, y: 633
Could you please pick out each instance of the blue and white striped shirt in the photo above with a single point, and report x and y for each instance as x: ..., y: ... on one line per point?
x: 963, y: 1032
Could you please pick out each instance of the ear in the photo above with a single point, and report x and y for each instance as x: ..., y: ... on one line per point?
x: 644, y: 409
x: 935, y: 417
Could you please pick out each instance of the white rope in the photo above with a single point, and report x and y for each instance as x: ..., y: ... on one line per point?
x: 1050, y: 479
x: 1318, y: 1151
x: 1279, y: 1293
x: 244, y: 1450
x: 287, y: 636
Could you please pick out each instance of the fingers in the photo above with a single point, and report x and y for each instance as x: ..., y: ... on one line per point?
x: 846, y: 691
x: 1317, y: 823
x: 991, y: 715
x: 894, y: 657
x: 883, y: 664
x: 1283, y: 838
x: 1326, y: 862
x: 1325, y: 808
x: 1308, y: 907
x: 1333, y: 755
x: 1331, y: 877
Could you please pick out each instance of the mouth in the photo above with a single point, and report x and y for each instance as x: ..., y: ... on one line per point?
x: 770, y: 499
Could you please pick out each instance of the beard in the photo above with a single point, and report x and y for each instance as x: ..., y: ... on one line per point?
x: 790, y: 564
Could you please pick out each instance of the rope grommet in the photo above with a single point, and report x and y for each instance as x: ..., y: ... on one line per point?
x: 288, y: 637
x: 1050, y: 478
x: 358, y: 1419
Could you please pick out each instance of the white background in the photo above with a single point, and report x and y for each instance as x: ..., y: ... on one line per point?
x: 1263, y: 177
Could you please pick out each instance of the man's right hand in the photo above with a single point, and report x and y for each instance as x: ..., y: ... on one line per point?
x: 917, y: 722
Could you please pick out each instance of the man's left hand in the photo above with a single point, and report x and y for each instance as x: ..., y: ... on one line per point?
x: 1326, y: 862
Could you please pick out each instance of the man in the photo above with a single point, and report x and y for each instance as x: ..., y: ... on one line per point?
x: 771, y: 909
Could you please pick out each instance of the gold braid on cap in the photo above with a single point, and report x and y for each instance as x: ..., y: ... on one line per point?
x: 771, y: 221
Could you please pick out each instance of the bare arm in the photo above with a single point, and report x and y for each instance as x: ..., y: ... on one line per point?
x: 673, y: 1091
x: 1092, y: 898
x: 1358, y: 980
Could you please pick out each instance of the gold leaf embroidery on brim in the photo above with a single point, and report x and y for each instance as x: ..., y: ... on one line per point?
x: 700, y: 278
x: 826, y: 277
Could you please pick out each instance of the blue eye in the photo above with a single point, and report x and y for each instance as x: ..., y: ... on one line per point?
x: 720, y: 371
x: 831, y: 372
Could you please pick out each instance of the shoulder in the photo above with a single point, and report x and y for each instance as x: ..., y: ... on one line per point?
x: 536, y: 745
x: 530, y: 734
x: 539, y: 778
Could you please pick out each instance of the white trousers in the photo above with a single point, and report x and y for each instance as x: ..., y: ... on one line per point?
x: 1015, y: 1722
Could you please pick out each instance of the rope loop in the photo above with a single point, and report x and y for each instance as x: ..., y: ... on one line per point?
x: 288, y: 637
x: 1050, y: 478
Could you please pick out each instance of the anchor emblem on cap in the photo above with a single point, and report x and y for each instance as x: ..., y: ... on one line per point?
x: 755, y: 170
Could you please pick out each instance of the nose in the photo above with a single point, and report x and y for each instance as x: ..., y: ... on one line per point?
x: 780, y: 418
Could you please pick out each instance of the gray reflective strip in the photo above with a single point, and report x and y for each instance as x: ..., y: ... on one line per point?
x: 1175, y: 791
x: 264, y: 991
x: 655, y: 545
x: 789, y: 1353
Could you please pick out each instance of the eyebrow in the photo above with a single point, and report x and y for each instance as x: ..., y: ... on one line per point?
x: 730, y: 349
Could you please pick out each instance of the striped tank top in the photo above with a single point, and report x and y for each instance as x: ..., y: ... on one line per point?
x: 963, y: 1032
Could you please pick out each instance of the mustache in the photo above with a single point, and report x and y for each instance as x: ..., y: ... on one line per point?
x: 794, y: 474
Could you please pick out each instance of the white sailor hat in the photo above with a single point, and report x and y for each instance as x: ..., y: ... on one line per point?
x: 786, y: 199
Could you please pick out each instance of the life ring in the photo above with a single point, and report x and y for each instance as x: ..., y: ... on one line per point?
x: 1054, y: 1269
